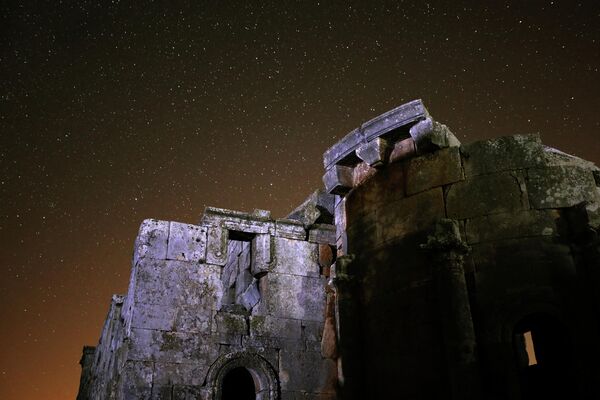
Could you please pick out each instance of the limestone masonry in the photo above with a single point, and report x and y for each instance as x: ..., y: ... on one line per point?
x: 425, y: 269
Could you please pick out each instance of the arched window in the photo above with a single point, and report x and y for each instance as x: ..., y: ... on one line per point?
x: 238, y: 384
x: 543, y: 350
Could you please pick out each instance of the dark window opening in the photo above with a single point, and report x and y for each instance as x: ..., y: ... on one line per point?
x: 543, y: 353
x: 238, y: 385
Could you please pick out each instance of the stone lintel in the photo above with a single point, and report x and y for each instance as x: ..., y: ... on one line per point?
x: 403, y: 115
x: 290, y: 229
x: 343, y: 152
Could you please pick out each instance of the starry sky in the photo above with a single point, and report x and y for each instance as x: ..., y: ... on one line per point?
x: 115, y: 111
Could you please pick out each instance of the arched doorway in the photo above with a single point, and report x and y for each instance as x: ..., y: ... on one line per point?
x: 238, y: 384
x: 242, y: 375
x: 543, y: 351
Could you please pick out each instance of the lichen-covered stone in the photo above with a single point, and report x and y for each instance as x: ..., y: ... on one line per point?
x: 561, y: 186
x: 503, y: 154
x: 486, y: 194
x: 186, y: 242
x: 435, y: 169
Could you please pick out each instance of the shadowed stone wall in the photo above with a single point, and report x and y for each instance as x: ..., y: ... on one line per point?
x: 445, y: 249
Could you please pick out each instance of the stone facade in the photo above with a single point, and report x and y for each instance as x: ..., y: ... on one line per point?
x: 428, y: 270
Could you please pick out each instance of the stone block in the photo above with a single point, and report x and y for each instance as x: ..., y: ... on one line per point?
x: 193, y: 319
x: 250, y: 296
x: 404, y: 115
x: 153, y: 316
x: 342, y: 149
x: 171, y: 347
x: 487, y: 194
x: 291, y: 229
x: 185, y: 392
x: 228, y: 323
x: 301, y: 370
x: 168, y: 374
x: 293, y: 296
x: 267, y: 326
x: 326, y: 256
x: 316, y: 209
x: 338, y: 179
x: 431, y: 170
x: 216, y: 245
x: 178, y: 283
x: 295, y: 257
x: 261, y: 253
x: 403, y: 217
x: 186, y: 242
x: 152, y: 240
x: 527, y: 223
x: 503, y: 154
x: 312, y: 331
x: 322, y: 234
x: 374, y: 153
x: 402, y: 150
x: 560, y: 186
x: 136, y: 378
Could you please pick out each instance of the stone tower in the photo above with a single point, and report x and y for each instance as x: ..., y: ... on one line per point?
x: 427, y: 269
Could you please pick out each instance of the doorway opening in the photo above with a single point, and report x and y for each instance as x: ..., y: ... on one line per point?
x: 238, y: 384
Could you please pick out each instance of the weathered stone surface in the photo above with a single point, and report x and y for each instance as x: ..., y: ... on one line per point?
x: 261, y: 253
x: 154, y: 316
x: 557, y: 187
x: 169, y: 374
x: 409, y: 215
x: 151, y: 241
x: 429, y: 135
x: 297, y: 297
x: 186, y: 242
x: 267, y: 326
x: 511, y: 225
x: 343, y: 149
x: 291, y: 229
x: 306, y: 368
x: 250, y: 296
x: 375, y: 152
x: 174, y: 283
x: 229, y: 323
x: 296, y: 257
x: 440, y: 168
x: 403, y: 149
x: 324, y: 234
x: 403, y: 115
x: 137, y: 380
x: 338, y: 179
x: 316, y: 209
x: 503, y: 154
x: 216, y: 245
x: 487, y: 194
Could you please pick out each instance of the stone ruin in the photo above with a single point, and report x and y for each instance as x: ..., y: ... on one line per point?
x: 426, y: 269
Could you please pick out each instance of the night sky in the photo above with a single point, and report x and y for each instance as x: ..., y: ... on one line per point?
x: 112, y: 112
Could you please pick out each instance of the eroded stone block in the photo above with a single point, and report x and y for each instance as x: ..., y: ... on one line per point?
x: 289, y: 228
x: 375, y: 152
x: 152, y: 240
x: 503, y: 154
x: 561, y: 186
x: 338, y: 179
x: 216, y: 246
x: 186, y: 242
x: 527, y: 223
x: 267, y: 326
x: 323, y: 234
x: 486, y: 194
x: 261, y: 254
x: 295, y: 257
x: 297, y: 297
x: 440, y: 168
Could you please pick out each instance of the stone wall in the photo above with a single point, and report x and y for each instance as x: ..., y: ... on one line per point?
x: 444, y: 250
x: 237, y: 290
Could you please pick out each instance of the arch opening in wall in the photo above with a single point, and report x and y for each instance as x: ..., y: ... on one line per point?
x: 543, y: 351
x: 243, y: 375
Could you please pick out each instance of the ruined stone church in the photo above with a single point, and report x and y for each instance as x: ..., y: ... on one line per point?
x: 424, y: 269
